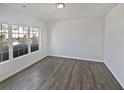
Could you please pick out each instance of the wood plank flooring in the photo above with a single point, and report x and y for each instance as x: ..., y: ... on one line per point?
x: 54, y: 73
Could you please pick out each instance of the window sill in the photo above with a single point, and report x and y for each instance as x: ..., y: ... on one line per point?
x: 20, y: 57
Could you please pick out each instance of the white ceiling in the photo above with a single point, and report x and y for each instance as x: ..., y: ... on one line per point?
x: 48, y: 11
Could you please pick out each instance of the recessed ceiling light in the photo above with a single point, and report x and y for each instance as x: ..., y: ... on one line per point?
x: 60, y: 5
x: 24, y: 6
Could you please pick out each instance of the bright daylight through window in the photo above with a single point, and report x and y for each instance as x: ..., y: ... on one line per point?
x: 20, y: 40
x: 34, y: 39
x: 23, y: 39
x: 4, y: 48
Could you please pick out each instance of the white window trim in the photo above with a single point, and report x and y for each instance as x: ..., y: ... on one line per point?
x: 10, y: 43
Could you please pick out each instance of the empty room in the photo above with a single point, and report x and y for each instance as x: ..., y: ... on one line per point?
x: 61, y: 46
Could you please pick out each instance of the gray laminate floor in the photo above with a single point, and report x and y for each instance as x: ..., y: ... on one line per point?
x: 62, y: 74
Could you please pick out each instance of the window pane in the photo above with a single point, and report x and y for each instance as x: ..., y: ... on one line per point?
x: 4, y: 26
x: 15, y: 53
x: 15, y: 31
x: 4, y: 45
x: 34, y: 39
x: 21, y: 29
x: 15, y: 37
x: 36, y: 34
x: 25, y: 39
x: 15, y: 45
x: 14, y: 27
x: 4, y: 30
x: 20, y: 41
x: 25, y: 29
x: 4, y: 37
x: 15, y: 49
x: 20, y: 50
x: 4, y: 48
x: 26, y: 50
x: 5, y: 56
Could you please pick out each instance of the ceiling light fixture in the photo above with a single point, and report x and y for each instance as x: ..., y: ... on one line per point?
x: 24, y: 6
x: 60, y: 5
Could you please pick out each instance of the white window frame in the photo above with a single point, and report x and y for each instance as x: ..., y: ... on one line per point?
x: 39, y: 39
x: 10, y: 42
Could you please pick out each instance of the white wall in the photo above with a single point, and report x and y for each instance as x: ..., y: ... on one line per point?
x: 81, y: 38
x: 10, y: 16
x: 114, y: 42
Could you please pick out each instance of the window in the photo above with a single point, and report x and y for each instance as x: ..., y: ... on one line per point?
x: 34, y: 39
x: 23, y: 40
x: 4, y: 48
x: 20, y: 40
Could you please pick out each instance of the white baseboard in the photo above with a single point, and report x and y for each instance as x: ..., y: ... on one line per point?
x: 102, y: 61
x: 117, y: 78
